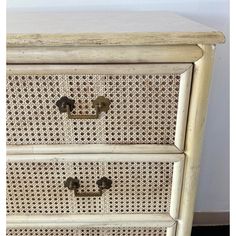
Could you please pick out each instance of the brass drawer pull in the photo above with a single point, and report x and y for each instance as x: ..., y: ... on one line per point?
x: 74, y: 184
x: 66, y: 105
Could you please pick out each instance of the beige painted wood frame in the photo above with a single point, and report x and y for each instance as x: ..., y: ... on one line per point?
x: 185, y: 71
x: 95, y: 39
x: 109, y: 220
x: 93, y: 220
x: 104, y: 54
x: 194, y: 138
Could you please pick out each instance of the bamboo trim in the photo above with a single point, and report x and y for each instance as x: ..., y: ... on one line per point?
x: 99, y: 157
x: 183, y: 104
x: 105, y: 220
x: 194, y: 137
x: 104, y: 54
x: 107, y: 69
x: 91, y: 148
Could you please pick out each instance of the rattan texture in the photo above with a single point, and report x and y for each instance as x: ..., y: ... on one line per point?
x: 36, y: 187
x: 129, y: 231
x: 143, y: 109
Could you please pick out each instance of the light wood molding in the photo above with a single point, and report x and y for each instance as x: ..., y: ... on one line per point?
x: 182, y: 114
x: 194, y: 137
x: 176, y: 188
x: 91, y: 148
x: 106, y: 69
x: 104, y: 54
x: 112, y: 220
x: 105, y: 158
x: 171, y: 231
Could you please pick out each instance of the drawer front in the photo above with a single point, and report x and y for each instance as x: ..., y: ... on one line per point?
x: 141, y: 184
x: 148, y: 104
x: 119, y: 231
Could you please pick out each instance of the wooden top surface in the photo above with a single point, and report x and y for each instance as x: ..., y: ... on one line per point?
x: 105, y: 28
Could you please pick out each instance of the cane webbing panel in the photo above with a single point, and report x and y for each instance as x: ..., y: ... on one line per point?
x: 129, y: 231
x: 143, y: 109
x: 138, y: 187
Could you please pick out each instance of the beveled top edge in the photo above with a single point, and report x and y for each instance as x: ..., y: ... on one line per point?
x: 106, y: 28
x: 103, y: 39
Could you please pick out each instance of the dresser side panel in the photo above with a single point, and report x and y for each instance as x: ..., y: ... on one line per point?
x: 194, y: 137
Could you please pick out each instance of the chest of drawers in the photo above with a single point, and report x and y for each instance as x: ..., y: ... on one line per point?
x: 105, y: 119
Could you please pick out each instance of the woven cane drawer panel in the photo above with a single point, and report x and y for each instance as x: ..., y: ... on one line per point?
x: 129, y: 231
x: 35, y: 187
x: 143, y: 108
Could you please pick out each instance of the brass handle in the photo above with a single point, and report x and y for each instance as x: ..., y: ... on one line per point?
x: 74, y: 184
x: 66, y: 105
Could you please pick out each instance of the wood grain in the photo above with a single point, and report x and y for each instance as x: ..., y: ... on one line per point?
x: 105, y: 28
x: 95, y: 39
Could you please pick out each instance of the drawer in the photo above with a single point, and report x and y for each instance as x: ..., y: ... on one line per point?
x: 135, y: 184
x: 128, y: 231
x: 108, y: 104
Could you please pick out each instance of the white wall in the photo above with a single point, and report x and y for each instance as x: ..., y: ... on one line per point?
x: 213, y: 192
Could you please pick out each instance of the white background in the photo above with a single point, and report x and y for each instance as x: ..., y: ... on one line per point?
x: 213, y: 194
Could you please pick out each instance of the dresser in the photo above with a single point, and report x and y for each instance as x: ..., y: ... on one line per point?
x: 105, y: 121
